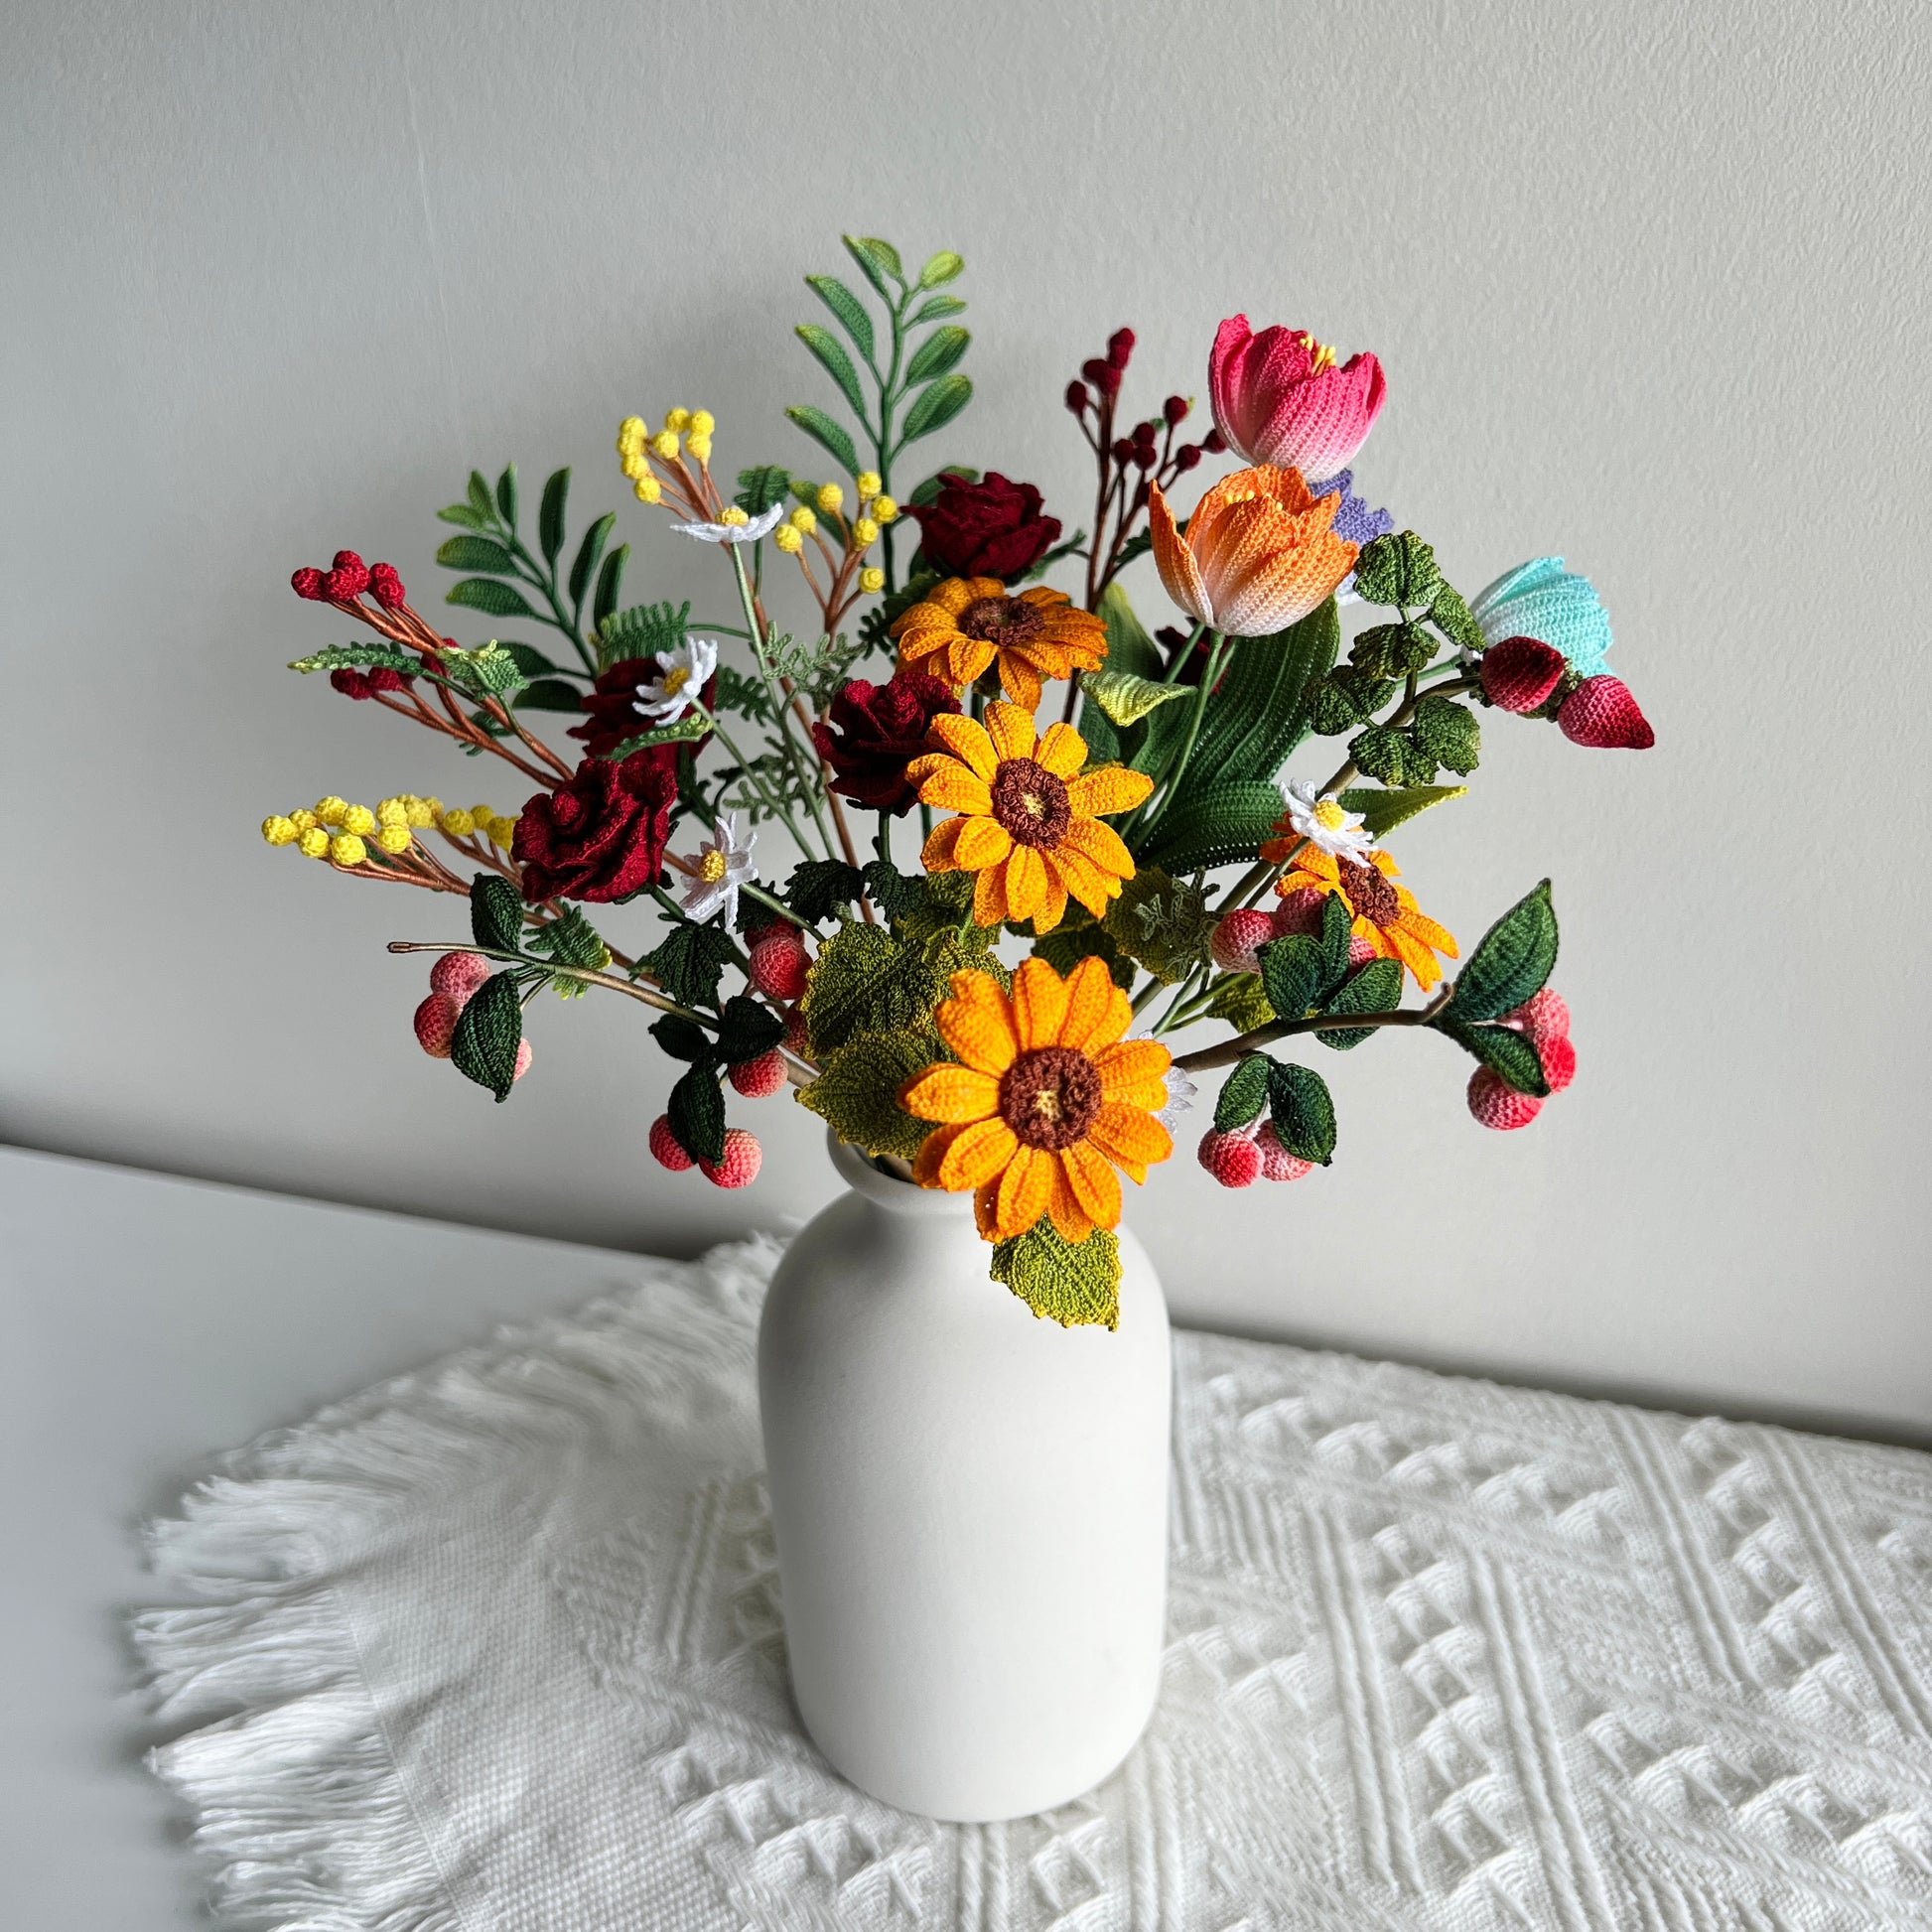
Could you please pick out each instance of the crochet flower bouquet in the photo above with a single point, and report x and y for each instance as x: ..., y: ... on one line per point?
x: 1000, y: 899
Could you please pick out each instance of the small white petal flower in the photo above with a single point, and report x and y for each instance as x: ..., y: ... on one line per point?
x: 686, y: 671
x: 750, y: 531
x: 723, y: 863
x: 1180, y: 1097
x: 1325, y: 826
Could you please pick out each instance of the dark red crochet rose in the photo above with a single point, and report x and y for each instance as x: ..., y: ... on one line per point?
x: 612, y: 706
x: 601, y: 836
x: 988, y: 528
x: 872, y: 732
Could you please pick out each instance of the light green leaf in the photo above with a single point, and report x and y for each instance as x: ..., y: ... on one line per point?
x: 1383, y: 810
x: 849, y: 311
x: 1242, y: 1000
x: 941, y: 269
x: 690, y: 726
x: 643, y: 630
x: 481, y: 500
x: 830, y: 436
x: 1398, y: 569
x: 487, y: 594
x: 1127, y: 698
x: 935, y: 308
x: 490, y: 670
x: 878, y: 259
x: 476, y: 553
x: 361, y: 657
x: 1129, y: 648
x: 856, y: 1094
x: 838, y: 364
x: 464, y: 513
x: 936, y: 406
x: 936, y: 355
x: 1075, y: 1286
x: 867, y: 980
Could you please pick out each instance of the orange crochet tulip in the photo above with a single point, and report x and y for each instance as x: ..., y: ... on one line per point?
x: 968, y: 624
x: 1259, y: 553
x: 1046, y: 1101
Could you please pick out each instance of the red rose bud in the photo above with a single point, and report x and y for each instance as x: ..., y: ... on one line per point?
x: 1147, y: 431
x: 387, y: 585
x: 1519, y: 673
x: 871, y: 731
x: 1175, y: 410
x: 351, y: 684
x: 1214, y: 442
x: 1145, y: 455
x: 307, y: 582
x: 1602, y: 714
x: 1123, y: 450
x: 1078, y: 398
x: 1120, y: 345
x: 990, y: 528
x: 384, y: 678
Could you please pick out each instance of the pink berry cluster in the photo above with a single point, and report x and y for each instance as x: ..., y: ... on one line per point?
x: 1239, y: 1156
x: 346, y: 580
x: 1544, y: 1021
x: 451, y: 981
x: 1241, y: 935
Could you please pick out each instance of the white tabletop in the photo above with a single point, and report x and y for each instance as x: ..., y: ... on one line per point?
x: 148, y: 1324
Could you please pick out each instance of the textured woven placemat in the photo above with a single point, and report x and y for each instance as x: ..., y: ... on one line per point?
x: 498, y: 1646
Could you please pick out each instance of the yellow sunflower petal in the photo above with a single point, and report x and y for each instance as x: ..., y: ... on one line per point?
x: 1420, y: 961
x: 1026, y: 883
x: 1090, y: 997
x: 953, y: 596
x: 990, y: 895
x: 1112, y: 788
x: 950, y: 1094
x: 1010, y: 731
x: 1069, y: 1218
x: 1132, y: 1064
x: 966, y: 738
x: 953, y: 788
x: 931, y: 1154
x: 981, y: 1151
x: 936, y: 854
x: 1026, y: 1189
x: 1051, y: 909
x: 1040, y: 1001
x: 966, y: 657
x: 1428, y: 932
x: 1130, y: 1136
x: 977, y: 1023
x: 1084, y: 880
x: 984, y: 842
x: 1063, y: 750
x: 1100, y: 844
x: 1095, y: 1184
x: 1020, y: 680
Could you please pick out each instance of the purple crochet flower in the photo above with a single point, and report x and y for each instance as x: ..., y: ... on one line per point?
x: 1354, y: 520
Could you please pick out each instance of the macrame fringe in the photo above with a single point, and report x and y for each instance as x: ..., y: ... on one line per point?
x: 296, y: 1797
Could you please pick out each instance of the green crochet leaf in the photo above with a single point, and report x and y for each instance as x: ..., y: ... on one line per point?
x: 584, y: 568
x: 857, y: 1093
x: 341, y: 657
x: 1162, y: 922
x: 1398, y: 569
x: 1302, y: 1113
x: 878, y: 259
x: 851, y: 316
x: 1381, y: 752
x: 748, y: 1030
x: 570, y: 941
x: 507, y: 496
x: 1393, y: 650
x: 1216, y: 826
x: 759, y: 488
x: 683, y: 1039
x: 1293, y: 974
x: 696, y: 1111
x: 1127, y: 698
x: 1451, y: 615
x: 1260, y: 712
x: 830, y: 436
x: 495, y: 914
x: 866, y: 979
x: 1067, y: 945
x: 1242, y: 1000
x: 643, y: 630
x: 688, y: 728
x: 1449, y: 733
x: 489, y: 671
x: 946, y: 266
x: 610, y: 585
x: 936, y: 355
x: 1075, y: 1286
x: 1383, y: 810
x: 1376, y: 988
x: 551, y: 513
x: 1129, y: 648
x: 476, y: 553
x: 891, y: 891
x: 1513, y: 961
x: 487, y: 594
x: 818, y: 887
x: 689, y: 962
x: 1503, y: 1050
x: 488, y: 1031
x: 1244, y: 1093
x: 836, y: 363
x: 936, y: 406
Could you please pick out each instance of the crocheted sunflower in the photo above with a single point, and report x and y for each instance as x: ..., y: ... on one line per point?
x: 968, y: 624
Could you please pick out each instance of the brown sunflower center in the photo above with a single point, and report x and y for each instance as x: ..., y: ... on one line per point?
x: 1051, y: 1096
x: 1372, y: 897
x: 1031, y: 802
x: 1001, y: 621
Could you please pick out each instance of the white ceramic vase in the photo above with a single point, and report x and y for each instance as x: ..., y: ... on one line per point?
x: 971, y: 1508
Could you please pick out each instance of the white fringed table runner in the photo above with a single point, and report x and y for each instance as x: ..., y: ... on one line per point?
x: 497, y: 1646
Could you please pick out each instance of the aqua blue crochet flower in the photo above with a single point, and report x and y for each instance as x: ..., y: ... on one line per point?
x: 1543, y: 600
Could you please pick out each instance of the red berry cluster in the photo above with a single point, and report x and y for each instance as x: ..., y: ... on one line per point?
x: 361, y: 685
x: 346, y: 580
x: 1544, y: 1021
x: 1239, y: 1156
x: 453, y: 981
x: 1525, y: 675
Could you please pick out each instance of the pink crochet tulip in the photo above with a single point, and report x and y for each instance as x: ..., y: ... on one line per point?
x: 1280, y: 397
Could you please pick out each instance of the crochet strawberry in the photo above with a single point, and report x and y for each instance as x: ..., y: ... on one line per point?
x: 1232, y: 1158
x: 1601, y: 713
x: 739, y: 1165
x: 1495, y: 1103
x: 1239, y: 937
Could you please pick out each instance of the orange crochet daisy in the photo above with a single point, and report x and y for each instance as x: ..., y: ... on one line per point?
x: 1029, y: 823
x: 1385, y: 914
x: 1047, y: 1101
x: 967, y: 624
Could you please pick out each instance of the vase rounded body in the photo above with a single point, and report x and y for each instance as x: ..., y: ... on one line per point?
x: 970, y: 1505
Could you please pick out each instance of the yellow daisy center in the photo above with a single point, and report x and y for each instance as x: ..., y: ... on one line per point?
x: 675, y: 681
x: 736, y: 518
x: 711, y: 868
x: 1329, y: 814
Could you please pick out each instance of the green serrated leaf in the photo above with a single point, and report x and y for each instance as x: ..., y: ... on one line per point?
x: 1293, y: 972
x: 831, y: 437
x: 488, y: 1031
x: 1398, y: 569
x: 857, y: 1093
x: 1242, y: 1000
x: 609, y: 584
x: 1503, y: 1050
x: 588, y: 554
x: 570, y: 941
x: 944, y: 267
x: 495, y: 914
x: 1451, y: 615
x: 1449, y: 733
x: 1218, y: 825
x: 1381, y: 752
x: 849, y: 311
x: 1513, y: 961
x: 747, y: 1029
x: 936, y: 355
x: 1244, y: 1093
x: 1127, y: 698
x: 691, y: 727
x: 818, y: 887
x: 487, y: 594
x: 1383, y: 810
x: 696, y: 1114
x: 1303, y: 1114
x: 877, y: 261
x: 935, y: 407
x: 761, y: 487
x: 1162, y: 922
x: 643, y: 630
x: 507, y: 496
x: 344, y: 657
x: 683, y: 1039
x: 1077, y: 1286
x: 1373, y: 988
x: 935, y: 308
x: 550, y: 515
x: 836, y: 362
x: 1391, y: 650
x: 489, y: 671
x: 891, y: 891
x: 866, y: 979
x: 1068, y: 944
x: 689, y: 962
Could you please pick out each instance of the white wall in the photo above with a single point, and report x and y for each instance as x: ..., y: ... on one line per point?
x: 1649, y: 282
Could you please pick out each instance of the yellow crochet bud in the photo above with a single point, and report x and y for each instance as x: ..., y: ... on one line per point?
x: 864, y: 533
x: 733, y: 518
x: 393, y: 812
x: 665, y: 444
x: 302, y: 821
x: 630, y: 433
x: 330, y: 810
x: 702, y: 422
x: 677, y: 420
x: 803, y: 520
x: 867, y: 483
x: 359, y: 820
x: 346, y: 849
x: 830, y: 499
x: 393, y: 839
x: 872, y: 580
x: 416, y: 812
x: 457, y: 823
x: 699, y: 445
x: 314, y: 843
x: 278, y: 830
x: 501, y: 830
x: 432, y: 801
x: 649, y: 490
x: 789, y: 538
x: 882, y: 509
x: 635, y: 464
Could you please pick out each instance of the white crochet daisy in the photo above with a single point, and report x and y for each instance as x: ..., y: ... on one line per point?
x: 1325, y: 826
x: 686, y: 672
x: 723, y: 863
x: 734, y: 526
